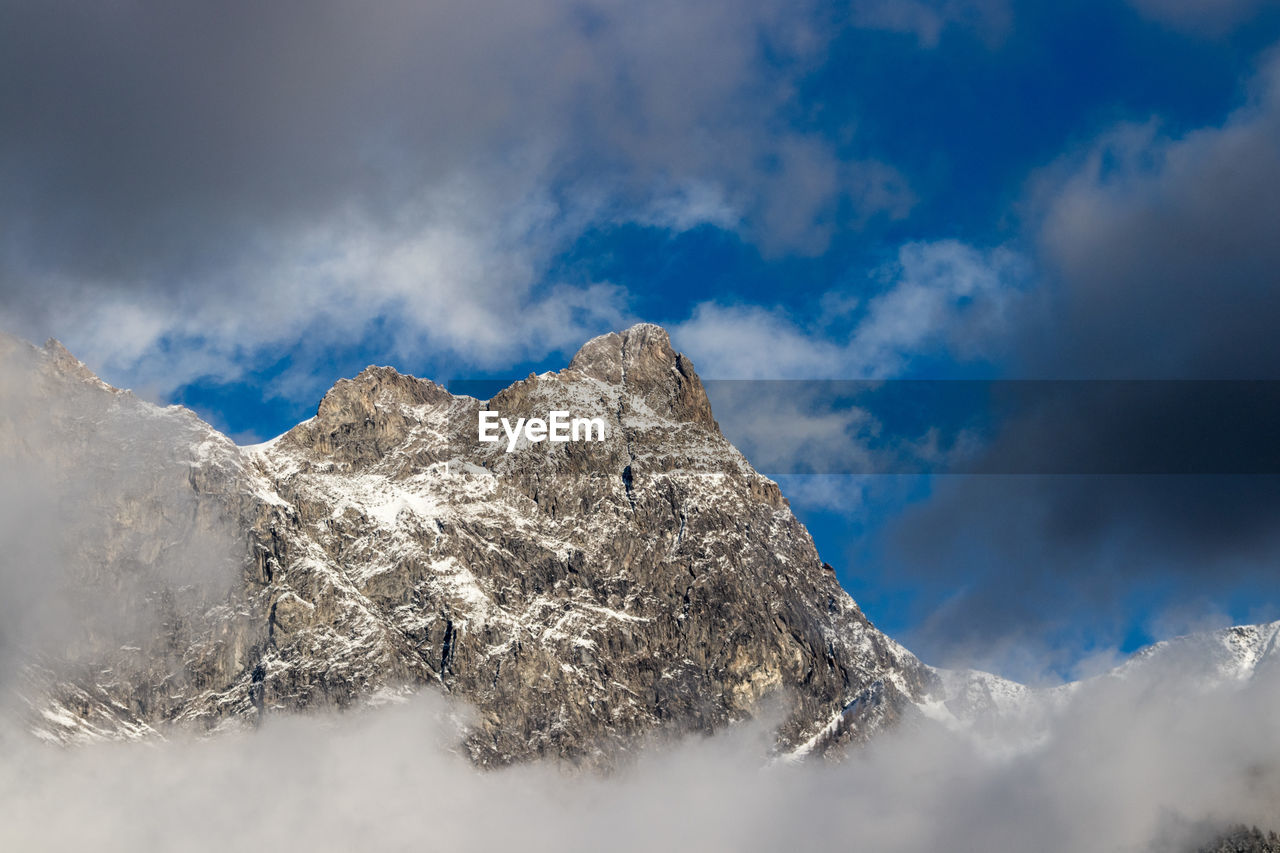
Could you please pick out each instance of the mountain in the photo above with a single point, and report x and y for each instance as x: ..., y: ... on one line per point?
x: 578, y: 595
x: 1226, y: 657
x: 1008, y: 718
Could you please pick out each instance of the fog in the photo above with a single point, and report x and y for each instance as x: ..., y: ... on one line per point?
x: 1142, y: 766
x: 102, y: 535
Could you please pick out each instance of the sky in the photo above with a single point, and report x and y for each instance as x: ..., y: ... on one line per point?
x: 233, y: 207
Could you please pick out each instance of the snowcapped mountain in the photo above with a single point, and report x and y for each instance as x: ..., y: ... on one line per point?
x: 1008, y: 718
x: 1224, y: 658
x: 578, y: 595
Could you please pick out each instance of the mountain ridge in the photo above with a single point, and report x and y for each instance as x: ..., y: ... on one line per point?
x: 580, y: 596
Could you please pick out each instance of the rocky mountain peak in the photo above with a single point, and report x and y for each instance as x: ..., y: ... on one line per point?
x: 643, y: 352
x: 641, y: 360
x: 60, y: 353
x: 361, y: 420
x: 61, y: 359
x: 377, y: 389
x: 577, y: 595
x: 19, y: 354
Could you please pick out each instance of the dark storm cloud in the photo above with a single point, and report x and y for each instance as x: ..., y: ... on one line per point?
x: 142, y: 135
x: 1162, y: 255
x: 210, y: 180
x: 1168, y: 254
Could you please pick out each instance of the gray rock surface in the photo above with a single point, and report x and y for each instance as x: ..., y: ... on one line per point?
x: 578, y: 595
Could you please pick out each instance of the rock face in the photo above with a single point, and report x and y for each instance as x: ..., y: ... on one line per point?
x: 126, y: 591
x: 578, y: 594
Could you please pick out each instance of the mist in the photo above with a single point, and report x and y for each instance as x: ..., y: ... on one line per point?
x: 110, y: 528
x: 1153, y: 763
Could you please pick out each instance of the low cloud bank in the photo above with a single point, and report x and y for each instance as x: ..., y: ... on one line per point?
x: 1150, y: 763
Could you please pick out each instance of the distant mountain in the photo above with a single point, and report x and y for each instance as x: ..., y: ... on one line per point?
x: 577, y: 594
x: 1212, y: 658
x: 1009, y: 717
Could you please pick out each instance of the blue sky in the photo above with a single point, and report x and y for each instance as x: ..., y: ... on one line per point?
x: 232, y: 210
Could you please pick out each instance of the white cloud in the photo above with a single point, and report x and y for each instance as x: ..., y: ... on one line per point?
x: 846, y: 494
x: 1128, y: 767
x: 1201, y: 17
x: 936, y: 299
x: 412, y: 165
x: 753, y: 342
x: 928, y: 19
x: 944, y: 295
x: 941, y: 297
x: 794, y: 427
x: 456, y: 277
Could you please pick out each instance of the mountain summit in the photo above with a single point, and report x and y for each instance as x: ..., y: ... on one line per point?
x: 578, y: 595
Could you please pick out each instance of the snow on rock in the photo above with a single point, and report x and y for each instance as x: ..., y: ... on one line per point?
x: 579, y: 595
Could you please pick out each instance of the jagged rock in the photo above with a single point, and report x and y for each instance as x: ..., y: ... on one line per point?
x: 578, y: 595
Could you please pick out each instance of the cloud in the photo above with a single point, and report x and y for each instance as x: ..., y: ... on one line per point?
x: 450, y: 279
x: 204, y: 190
x: 1203, y: 17
x: 1163, y: 246
x: 928, y: 19
x: 796, y: 428
x: 942, y: 298
x: 846, y: 494
x: 1150, y: 764
x: 1160, y: 261
x: 105, y: 536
